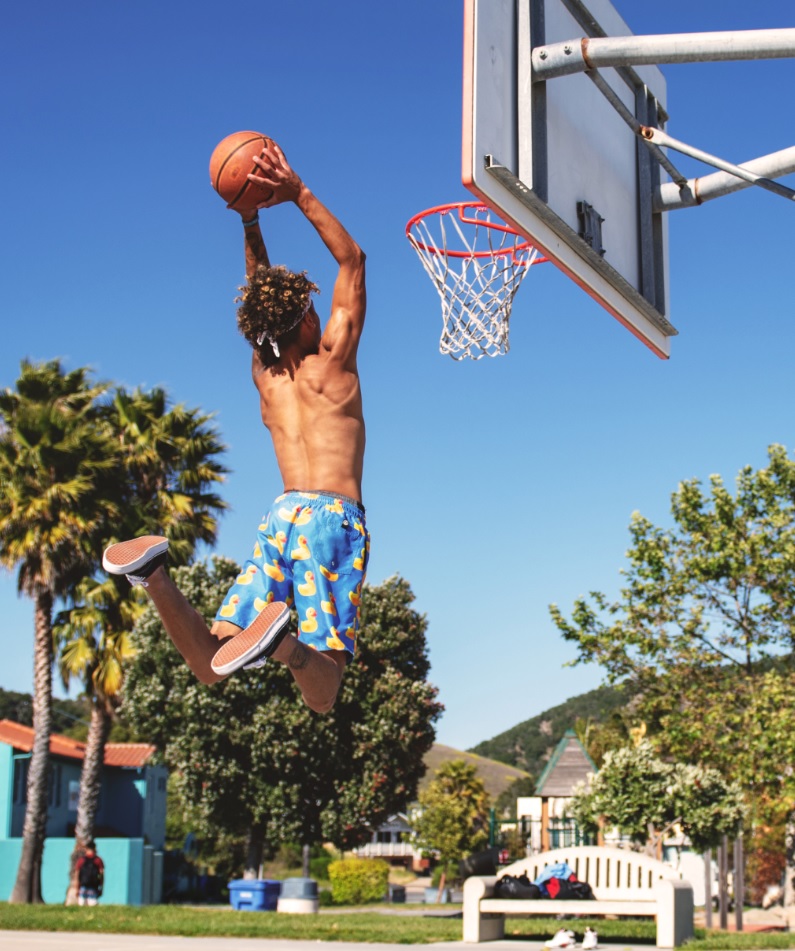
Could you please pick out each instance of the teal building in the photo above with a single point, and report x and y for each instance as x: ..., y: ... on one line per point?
x: 130, y: 825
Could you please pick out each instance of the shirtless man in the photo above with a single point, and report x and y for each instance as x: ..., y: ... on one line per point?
x: 312, y: 547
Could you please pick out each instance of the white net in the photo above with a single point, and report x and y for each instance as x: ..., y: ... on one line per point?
x: 476, y: 263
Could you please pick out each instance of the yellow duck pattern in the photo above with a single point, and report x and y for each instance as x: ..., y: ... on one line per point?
x: 322, y: 548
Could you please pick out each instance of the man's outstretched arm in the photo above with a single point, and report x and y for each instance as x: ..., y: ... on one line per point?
x: 256, y: 252
x: 349, y: 300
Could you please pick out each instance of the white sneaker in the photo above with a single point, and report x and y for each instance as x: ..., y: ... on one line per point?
x: 136, y: 558
x: 255, y: 643
x: 590, y: 940
x: 561, y: 939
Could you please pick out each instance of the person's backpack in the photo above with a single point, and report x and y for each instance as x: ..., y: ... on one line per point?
x: 88, y: 875
x: 563, y: 888
x: 516, y: 886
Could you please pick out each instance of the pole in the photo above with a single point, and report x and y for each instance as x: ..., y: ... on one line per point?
x: 739, y: 882
x: 545, y: 825
x: 723, y: 883
x: 708, y: 888
x: 695, y: 191
x: 662, y: 139
x: 587, y: 52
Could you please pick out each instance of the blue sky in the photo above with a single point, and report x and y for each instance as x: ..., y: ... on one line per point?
x: 496, y: 487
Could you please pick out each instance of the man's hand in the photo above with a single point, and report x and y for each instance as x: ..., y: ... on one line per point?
x: 276, y: 174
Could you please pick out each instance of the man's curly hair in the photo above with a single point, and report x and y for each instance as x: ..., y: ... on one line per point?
x: 272, y: 303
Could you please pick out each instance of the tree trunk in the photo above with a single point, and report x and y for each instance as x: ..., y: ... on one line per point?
x: 789, y: 868
x: 27, y: 887
x: 90, y: 785
x: 442, y: 883
x: 254, y: 843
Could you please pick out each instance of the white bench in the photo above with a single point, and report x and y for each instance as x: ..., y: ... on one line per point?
x: 625, y: 884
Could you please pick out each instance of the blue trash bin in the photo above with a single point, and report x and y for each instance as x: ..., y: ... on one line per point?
x: 257, y: 894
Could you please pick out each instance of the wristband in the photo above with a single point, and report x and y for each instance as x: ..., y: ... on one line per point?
x: 254, y: 220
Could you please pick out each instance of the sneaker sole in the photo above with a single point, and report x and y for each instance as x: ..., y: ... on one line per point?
x: 261, y: 637
x: 125, y: 557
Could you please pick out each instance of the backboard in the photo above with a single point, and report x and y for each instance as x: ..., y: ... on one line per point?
x: 558, y: 162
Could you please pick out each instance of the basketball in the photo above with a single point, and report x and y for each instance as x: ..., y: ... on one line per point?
x: 232, y: 160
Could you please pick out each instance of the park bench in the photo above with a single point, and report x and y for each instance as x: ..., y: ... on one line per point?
x: 624, y: 883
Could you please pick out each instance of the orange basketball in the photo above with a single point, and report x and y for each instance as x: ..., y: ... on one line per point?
x: 232, y: 160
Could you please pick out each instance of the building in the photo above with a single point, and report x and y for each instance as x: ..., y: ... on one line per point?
x: 543, y: 816
x: 130, y: 825
x: 392, y: 841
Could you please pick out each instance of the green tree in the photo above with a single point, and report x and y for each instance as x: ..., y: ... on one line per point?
x: 53, y: 455
x: 505, y: 803
x: 452, y: 815
x: 250, y: 759
x: 704, y: 628
x: 166, y: 464
x: 644, y: 797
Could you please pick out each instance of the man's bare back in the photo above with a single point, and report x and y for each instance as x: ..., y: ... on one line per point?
x: 313, y: 411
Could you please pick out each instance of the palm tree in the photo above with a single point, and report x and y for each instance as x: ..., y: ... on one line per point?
x: 170, y: 468
x: 94, y: 645
x: 166, y: 467
x: 53, y: 453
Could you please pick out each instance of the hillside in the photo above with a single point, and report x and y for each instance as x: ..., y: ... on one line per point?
x: 68, y: 716
x: 528, y: 745
x: 496, y: 776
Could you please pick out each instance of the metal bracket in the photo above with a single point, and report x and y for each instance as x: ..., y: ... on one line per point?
x: 590, y: 226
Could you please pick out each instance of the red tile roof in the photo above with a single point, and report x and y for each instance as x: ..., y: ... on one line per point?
x: 116, y: 754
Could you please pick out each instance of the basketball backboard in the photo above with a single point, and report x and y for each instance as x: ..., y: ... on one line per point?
x: 558, y: 162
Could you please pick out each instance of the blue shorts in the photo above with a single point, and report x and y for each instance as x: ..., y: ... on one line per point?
x: 311, y: 552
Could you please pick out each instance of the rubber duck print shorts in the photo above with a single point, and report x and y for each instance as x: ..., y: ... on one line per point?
x: 312, y: 550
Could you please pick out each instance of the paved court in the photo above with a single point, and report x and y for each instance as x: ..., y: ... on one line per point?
x: 77, y: 941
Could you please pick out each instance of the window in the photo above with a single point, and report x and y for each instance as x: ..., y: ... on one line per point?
x: 54, y: 785
x: 21, y: 781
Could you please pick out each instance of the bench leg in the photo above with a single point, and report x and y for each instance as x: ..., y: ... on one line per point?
x: 674, y: 913
x: 483, y: 927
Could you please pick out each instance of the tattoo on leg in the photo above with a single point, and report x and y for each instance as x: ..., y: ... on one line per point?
x: 299, y: 657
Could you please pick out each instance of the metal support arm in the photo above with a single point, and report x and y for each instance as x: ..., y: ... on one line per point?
x: 578, y: 55
x: 695, y: 191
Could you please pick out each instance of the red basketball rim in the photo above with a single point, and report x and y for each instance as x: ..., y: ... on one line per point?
x: 461, y: 207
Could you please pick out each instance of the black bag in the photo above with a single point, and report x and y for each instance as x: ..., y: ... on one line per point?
x: 89, y: 873
x: 516, y: 886
x: 568, y: 889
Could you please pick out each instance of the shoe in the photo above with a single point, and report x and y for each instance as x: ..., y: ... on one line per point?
x: 590, y: 940
x: 136, y: 558
x: 256, y: 643
x: 561, y: 939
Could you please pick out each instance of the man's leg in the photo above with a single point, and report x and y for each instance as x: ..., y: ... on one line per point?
x: 142, y: 560
x: 186, y: 627
x: 318, y: 674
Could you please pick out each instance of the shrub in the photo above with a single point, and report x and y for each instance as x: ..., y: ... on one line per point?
x: 318, y: 867
x: 357, y: 881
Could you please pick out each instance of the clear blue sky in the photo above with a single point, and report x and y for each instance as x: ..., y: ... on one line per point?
x: 495, y: 487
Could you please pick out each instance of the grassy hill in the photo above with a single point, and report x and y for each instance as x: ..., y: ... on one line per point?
x: 68, y: 716
x: 496, y: 776
x: 529, y: 745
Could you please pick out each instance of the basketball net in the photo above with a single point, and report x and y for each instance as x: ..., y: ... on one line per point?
x: 477, y: 263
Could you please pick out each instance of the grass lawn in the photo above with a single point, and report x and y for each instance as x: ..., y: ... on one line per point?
x: 401, y: 927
